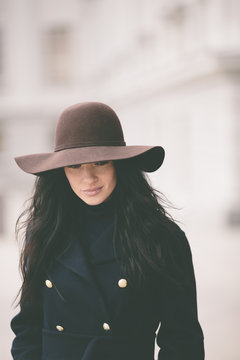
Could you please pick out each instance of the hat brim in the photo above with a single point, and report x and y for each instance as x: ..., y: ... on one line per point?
x: 149, y: 158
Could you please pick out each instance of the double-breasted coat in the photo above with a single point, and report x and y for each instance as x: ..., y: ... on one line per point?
x: 90, y: 311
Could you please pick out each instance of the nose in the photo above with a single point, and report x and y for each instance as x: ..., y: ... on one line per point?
x: 88, y: 174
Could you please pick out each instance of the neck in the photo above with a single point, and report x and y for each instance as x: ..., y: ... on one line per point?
x: 103, y: 209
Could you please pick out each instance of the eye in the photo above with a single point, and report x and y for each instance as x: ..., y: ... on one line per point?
x: 74, y: 166
x: 101, y: 163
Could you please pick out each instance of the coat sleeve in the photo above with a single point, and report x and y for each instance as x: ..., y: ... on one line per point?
x: 27, y: 326
x: 180, y: 336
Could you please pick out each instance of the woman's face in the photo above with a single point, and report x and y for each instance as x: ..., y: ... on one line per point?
x: 94, y: 182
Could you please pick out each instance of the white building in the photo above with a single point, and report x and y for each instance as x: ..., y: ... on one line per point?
x: 171, y: 70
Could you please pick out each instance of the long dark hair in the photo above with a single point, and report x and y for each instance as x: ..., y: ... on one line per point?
x: 140, y: 214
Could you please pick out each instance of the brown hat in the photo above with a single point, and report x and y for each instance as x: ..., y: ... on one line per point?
x: 90, y: 132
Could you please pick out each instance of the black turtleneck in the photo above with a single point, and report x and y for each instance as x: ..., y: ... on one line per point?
x: 97, y: 220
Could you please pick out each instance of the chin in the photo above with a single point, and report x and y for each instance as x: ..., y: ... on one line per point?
x: 93, y: 201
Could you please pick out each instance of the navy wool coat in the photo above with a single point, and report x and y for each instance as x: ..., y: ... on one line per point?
x: 91, y: 315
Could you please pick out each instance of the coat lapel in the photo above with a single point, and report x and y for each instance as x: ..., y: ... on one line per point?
x: 74, y: 257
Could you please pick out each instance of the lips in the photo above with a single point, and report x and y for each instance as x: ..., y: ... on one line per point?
x: 92, y: 192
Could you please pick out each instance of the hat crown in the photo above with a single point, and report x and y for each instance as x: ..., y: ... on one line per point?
x: 88, y: 124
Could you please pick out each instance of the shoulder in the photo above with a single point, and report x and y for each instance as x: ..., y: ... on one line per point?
x: 172, y: 233
x: 175, y: 245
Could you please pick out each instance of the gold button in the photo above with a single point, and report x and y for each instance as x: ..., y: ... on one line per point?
x: 106, y: 326
x: 59, y: 328
x: 122, y: 283
x: 48, y: 284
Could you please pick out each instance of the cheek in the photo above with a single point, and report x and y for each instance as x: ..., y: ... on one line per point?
x: 73, y: 181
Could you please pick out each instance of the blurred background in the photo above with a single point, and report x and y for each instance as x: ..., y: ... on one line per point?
x: 171, y: 70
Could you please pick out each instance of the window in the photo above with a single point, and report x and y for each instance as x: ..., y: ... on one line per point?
x: 1, y: 137
x: 1, y: 55
x: 1, y: 215
x: 57, y: 53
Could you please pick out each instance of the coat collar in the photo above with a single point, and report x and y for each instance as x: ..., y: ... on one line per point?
x: 74, y: 257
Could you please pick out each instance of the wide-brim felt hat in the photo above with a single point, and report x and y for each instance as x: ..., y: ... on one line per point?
x: 90, y: 132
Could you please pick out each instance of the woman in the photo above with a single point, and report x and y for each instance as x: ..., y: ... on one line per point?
x: 103, y: 264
